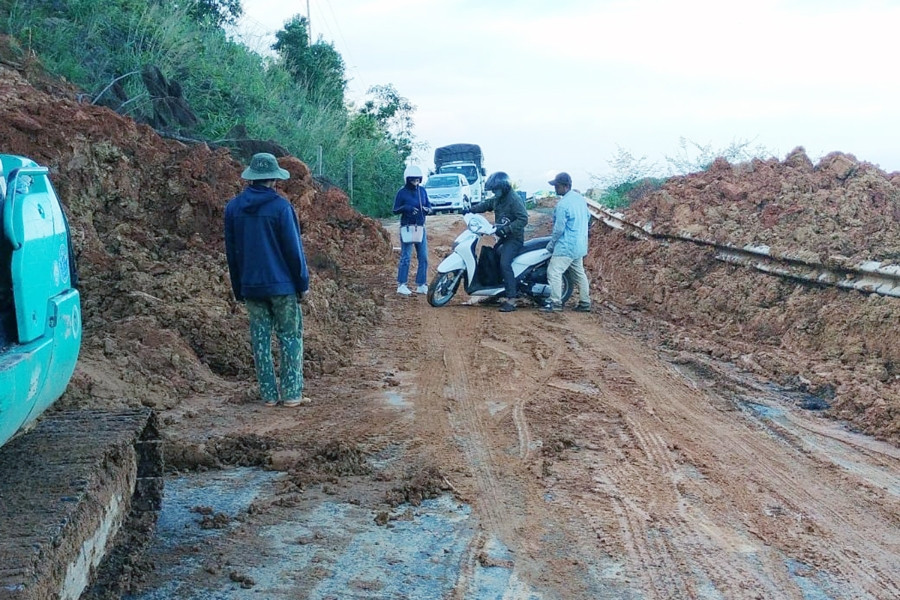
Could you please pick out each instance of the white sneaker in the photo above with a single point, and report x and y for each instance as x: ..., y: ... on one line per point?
x: 422, y: 289
x: 403, y: 290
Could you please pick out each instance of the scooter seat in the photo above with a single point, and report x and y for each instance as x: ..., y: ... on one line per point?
x: 537, y: 243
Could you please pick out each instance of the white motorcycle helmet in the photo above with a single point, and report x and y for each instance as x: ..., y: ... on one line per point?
x: 412, y: 172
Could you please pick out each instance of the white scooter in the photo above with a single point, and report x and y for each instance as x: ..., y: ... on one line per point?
x: 482, y: 275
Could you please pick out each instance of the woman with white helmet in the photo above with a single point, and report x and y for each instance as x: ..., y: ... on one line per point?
x: 412, y: 204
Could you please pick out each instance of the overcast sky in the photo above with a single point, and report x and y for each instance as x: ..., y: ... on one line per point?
x: 544, y: 86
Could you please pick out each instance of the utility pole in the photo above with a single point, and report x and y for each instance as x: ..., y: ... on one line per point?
x: 350, y: 177
x: 308, y: 25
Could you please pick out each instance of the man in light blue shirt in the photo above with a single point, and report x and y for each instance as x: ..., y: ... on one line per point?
x: 569, y: 245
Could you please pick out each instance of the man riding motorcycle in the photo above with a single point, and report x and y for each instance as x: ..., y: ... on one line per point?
x: 511, y: 217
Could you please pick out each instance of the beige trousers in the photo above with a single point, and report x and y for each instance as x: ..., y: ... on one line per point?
x: 559, y: 265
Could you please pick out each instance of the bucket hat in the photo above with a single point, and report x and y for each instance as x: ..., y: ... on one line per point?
x: 264, y: 166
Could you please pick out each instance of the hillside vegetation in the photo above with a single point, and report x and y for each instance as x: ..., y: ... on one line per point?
x: 175, y: 67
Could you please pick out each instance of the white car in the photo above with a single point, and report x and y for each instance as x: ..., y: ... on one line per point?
x: 449, y: 192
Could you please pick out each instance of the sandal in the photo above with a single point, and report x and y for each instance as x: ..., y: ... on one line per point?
x: 297, y: 402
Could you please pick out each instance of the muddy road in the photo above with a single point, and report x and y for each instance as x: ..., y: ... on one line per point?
x: 590, y: 461
x: 708, y: 431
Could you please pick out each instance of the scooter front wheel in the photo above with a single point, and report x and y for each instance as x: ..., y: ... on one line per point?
x: 444, y: 287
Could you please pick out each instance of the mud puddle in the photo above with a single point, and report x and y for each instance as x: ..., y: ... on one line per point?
x: 795, y: 418
x: 214, y: 541
x: 856, y: 453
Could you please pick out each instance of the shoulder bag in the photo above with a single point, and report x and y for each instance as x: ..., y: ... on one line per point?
x: 413, y: 234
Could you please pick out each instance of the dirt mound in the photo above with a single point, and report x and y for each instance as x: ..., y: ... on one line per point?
x: 837, y: 346
x: 146, y: 214
x: 839, y: 209
x: 160, y: 325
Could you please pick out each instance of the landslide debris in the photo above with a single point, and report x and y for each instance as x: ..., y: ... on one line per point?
x: 146, y: 216
x: 160, y: 325
x: 840, y: 347
x: 840, y: 209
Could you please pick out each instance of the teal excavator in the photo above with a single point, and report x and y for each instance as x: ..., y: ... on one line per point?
x: 40, y: 309
x: 74, y: 484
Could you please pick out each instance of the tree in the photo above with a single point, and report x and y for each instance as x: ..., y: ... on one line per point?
x: 318, y: 67
x: 630, y: 179
x: 626, y: 169
x: 216, y: 12
x: 106, y: 46
x: 393, y: 115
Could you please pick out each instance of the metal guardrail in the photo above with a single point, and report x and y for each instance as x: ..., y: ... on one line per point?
x: 868, y: 276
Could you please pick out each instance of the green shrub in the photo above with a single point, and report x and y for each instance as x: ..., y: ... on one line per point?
x: 693, y: 157
x: 625, y: 194
x: 94, y: 44
x: 631, y: 178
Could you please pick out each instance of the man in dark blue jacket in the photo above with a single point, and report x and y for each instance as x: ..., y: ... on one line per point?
x: 269, y: 274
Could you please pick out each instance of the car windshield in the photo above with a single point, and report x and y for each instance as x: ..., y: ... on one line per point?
x: 468, y: 170
x: 441, y: 181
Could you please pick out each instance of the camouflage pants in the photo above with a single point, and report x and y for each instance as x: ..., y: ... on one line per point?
x: 284, y: 315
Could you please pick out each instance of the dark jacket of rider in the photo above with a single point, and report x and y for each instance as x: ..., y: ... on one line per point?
x: 510, y: 207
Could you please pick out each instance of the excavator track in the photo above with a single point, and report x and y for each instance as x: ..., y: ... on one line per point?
x: 871, y: 276
x: 68, y: 489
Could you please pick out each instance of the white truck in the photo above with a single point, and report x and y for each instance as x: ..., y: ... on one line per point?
x: 466, y: 159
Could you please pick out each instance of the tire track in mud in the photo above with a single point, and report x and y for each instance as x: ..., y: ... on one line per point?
x: 651, y: 557
x: 644, y: 536
x: 456, y: 380
x: 653, y: 407
x: 802, y: 495
x: 643, y: 532
x: 487, y: 375
x: 522, y: 432
x: 671, y: 489
x: 461, y: 408
x: 540, y: 349
x: 544, y: 368
x: 470, y: 430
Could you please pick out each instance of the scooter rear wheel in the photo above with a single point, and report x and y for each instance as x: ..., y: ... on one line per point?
x: 443, y: 287
x: 568, y: 287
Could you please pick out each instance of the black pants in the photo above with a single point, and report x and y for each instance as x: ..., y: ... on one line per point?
x: 509, y: 249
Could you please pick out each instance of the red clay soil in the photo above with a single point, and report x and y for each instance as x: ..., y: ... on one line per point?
x: 841, y: 346
x: 616, y: 450
x: 147, y: 220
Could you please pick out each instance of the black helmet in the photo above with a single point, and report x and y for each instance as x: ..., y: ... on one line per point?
x: 498, y: 183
